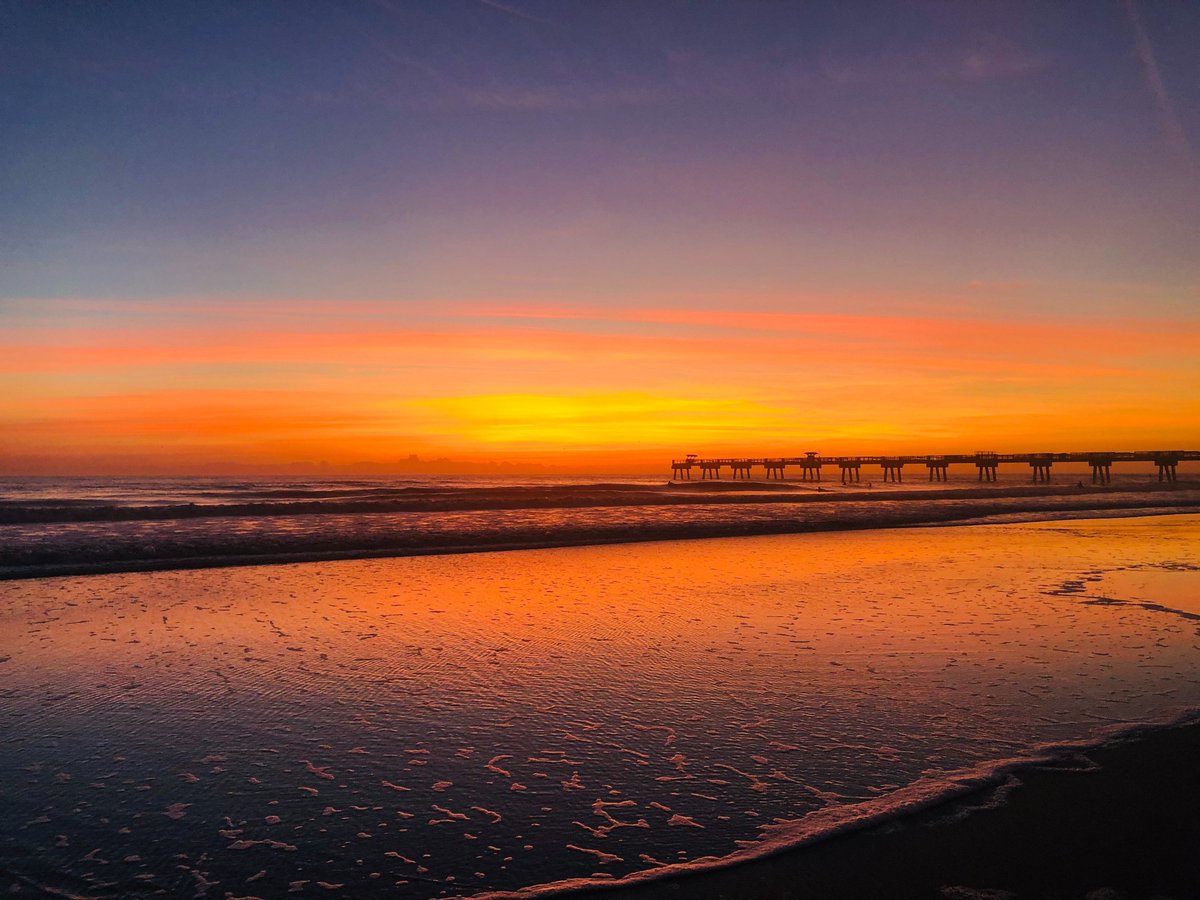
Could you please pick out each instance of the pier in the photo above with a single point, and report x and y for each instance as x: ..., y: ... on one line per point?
x: 985, y: 462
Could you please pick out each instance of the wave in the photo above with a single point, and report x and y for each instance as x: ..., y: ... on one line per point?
x: 309, y: 501
x: 988, y: 779
x: 80, y: 548
x: 262, y: 502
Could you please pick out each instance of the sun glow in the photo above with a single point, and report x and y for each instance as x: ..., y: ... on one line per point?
x: 584, y: 387
x: 616, y: 421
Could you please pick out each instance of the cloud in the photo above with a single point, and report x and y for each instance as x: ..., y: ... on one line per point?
x: 1168, y: 120
x: 343, y: 380
x: 990, y: 60
x: 554, y: 99
x: 516, y: 13
x: 1000, y: 62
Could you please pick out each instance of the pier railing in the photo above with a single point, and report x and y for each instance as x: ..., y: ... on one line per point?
x: 986, y: 462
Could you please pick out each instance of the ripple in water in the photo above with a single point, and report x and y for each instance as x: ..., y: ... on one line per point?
x: 452, y: 725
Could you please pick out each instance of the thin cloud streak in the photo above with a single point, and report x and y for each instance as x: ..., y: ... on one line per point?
x: 637, y: 334
x: 505, y: 8
x: 611, y: 382
x: 1172, y: 128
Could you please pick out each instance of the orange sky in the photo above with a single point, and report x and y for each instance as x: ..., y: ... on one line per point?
x: 221, y: 384
x: 594, y: 236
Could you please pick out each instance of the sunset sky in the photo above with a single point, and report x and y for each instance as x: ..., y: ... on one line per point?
x: 593, y: 235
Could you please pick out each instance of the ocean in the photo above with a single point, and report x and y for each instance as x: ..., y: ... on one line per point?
x: 59, y: 526
x: 477, y: 724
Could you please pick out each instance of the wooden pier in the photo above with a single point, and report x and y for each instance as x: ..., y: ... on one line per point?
x: 986, y: 463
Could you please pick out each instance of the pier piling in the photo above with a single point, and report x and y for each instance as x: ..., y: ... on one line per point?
x: 1166, y: 467
x: 1040, y: 464
x: 1101, y: 469
x: 987, y: 461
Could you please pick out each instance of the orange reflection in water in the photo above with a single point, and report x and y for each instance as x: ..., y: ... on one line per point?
x: 887, y: 599
x: 508, y: 697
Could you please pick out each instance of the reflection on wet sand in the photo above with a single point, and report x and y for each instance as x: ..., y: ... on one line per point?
x: 449, y: 725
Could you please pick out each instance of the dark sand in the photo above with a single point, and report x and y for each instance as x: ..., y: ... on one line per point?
x: 1127, y: 830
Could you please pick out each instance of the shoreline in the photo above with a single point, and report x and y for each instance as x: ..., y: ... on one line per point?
x: 1119, y: 816
x: 959, y: 515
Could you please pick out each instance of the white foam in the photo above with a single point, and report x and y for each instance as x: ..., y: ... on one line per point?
x: 830, y: 821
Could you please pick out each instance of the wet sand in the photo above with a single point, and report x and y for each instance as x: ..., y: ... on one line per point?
x: 447, y: 726
x: 1121, y: 822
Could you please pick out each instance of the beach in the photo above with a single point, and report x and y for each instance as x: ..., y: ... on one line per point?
x: 686, y: 717
x: 1116, y: 822
x: 505, y: 449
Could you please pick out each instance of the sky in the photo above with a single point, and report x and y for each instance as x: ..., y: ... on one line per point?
x: 594, y: 235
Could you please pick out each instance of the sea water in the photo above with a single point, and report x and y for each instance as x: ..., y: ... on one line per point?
x: 77, y: 525
x: 456, y: 725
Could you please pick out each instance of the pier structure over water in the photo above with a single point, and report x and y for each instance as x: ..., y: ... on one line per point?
x: 986, y: 463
